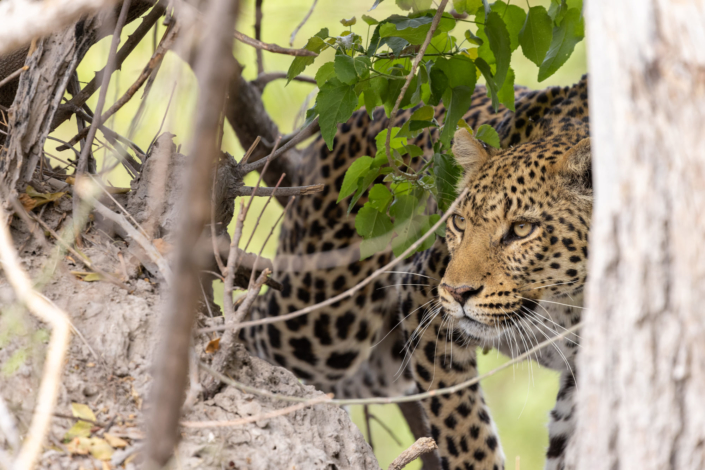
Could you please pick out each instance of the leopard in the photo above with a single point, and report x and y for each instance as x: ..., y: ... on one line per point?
x: 374, y: 343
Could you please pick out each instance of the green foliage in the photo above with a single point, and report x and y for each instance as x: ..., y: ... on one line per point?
x: 372, y: 73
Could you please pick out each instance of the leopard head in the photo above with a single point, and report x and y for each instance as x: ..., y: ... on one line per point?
x: 521, y: 233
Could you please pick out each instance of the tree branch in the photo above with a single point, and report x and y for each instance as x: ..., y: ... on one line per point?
x: 422, y: 446
x: 281, y: 192
x: 273, y: 47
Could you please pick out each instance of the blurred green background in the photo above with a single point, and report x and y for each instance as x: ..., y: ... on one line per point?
x: 519, y: 397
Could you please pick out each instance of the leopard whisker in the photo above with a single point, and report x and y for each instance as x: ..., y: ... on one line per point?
x: 551, y: 302
x: 409, y: 272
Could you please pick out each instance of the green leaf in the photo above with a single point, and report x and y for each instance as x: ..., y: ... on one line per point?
x: 500, y: 45
x: 345, y: 69
x: 371, y: 101
x: 441, y: 230
x: 348, y: 22
x: 438, y: 82
x: 467, y: 6
x: 315, y: 44
x: 362, y: 185
x: 335, y: 103
x: 413, y: 30
x: 488, y: 135
x: 362, y: 66
x: 535, y: 36
x: 447, y: 173
x: 326, y: 71
x: 472, y: 39
x: 565, y: 37
x: 369, y: 20
x: 375, y: 228
x: 424, y: 113
x: 380, y: 197
x: 357, y: 170
x: 514, y: 18
x: 461, y: 98
x: 492, y: 88
x: 460, y: 70
x: 506, y: 93
x: 416, y: 5
x: 409, y: 231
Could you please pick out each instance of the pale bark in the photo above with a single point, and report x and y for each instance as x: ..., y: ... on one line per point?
x: 643, y: 351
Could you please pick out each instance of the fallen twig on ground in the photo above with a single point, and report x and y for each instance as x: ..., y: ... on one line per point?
x: 422, y: 446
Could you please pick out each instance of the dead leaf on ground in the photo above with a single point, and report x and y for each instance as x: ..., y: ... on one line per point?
x: 31, y: 198
x: 87, y: 277
x: 115, y: 441
x: 80, y: 429
x: 213, y: 346
x: 97, y: 447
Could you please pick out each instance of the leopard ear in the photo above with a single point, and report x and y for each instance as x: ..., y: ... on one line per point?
x: 469, y: 153
x: 576, y: 165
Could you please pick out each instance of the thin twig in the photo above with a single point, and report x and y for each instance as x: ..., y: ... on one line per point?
x: 13, y: 75
x: 350, y: 292
x: 264, y: 79
x: 258, y: 35
x: 164, y: 46
x: 302, y: 135
x: 422, y: 446
x: 79, y: 257
x: 133, y: 233
x: 256, y: 418
x: 216, y: 251
x: 269, y: 235
x: 56, y: 351
x: 392, y: 117
x: 261, y: 213
x: 397, y: 399
x: 281, y: 192
x: 66, y: 110
x: 273, y: 47
x: 82, y: 163
x: 303, y: 22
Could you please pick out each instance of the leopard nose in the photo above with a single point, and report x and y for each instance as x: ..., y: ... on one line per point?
x: 463, y: 293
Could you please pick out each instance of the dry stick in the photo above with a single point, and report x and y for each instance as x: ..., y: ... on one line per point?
x: 402, y: 398
x: 56, y: 351
x: 303, y: 22
x: 65, y: 111
x: 415, y: 65
x: 13, y: 75
x: 264, y: 79
x: 214, y: 72
x: 146, y: 245
x: 164, y: 46
x: 256, y: 418
x: 259, y: 45
x: 258, y: 34
x: 281, y: 192
x: 354, y: 289
x: 84, y: 260
x: 422, y: 446
x: 216, y: 251
x: 302, y: 135
x: 259, y: 217
x: 269, y: 235
x: 82, y: 163
x: 250, y: 150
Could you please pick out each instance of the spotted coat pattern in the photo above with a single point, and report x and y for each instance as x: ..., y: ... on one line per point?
x: 355, y: 347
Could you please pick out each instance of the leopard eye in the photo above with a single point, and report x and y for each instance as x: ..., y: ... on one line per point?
x: 459, y: 222
x: 522, y: 229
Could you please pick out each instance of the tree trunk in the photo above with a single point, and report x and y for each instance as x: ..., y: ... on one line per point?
x: 642, y: 384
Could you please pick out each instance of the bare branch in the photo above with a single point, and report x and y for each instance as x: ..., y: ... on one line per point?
x: 258, y: 34
x: 265, y: 78
x: 303, y: 22
x: 13, y: 75
x: 82, y: 163
x: 422, y: 446
x: 402, y: 398
x: 164, y: 46
x: 56, y: 351
x: 281, y: 192
x: 214, y: 70
x: 392, y: 117
x: 273, y: 47
x: 302, y: 135
x: 66, y: 110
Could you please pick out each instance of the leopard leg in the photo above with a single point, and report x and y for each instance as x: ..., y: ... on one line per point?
x: 561, y: 427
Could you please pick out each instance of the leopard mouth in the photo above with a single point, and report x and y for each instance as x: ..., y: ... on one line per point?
x: 479, y: 330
